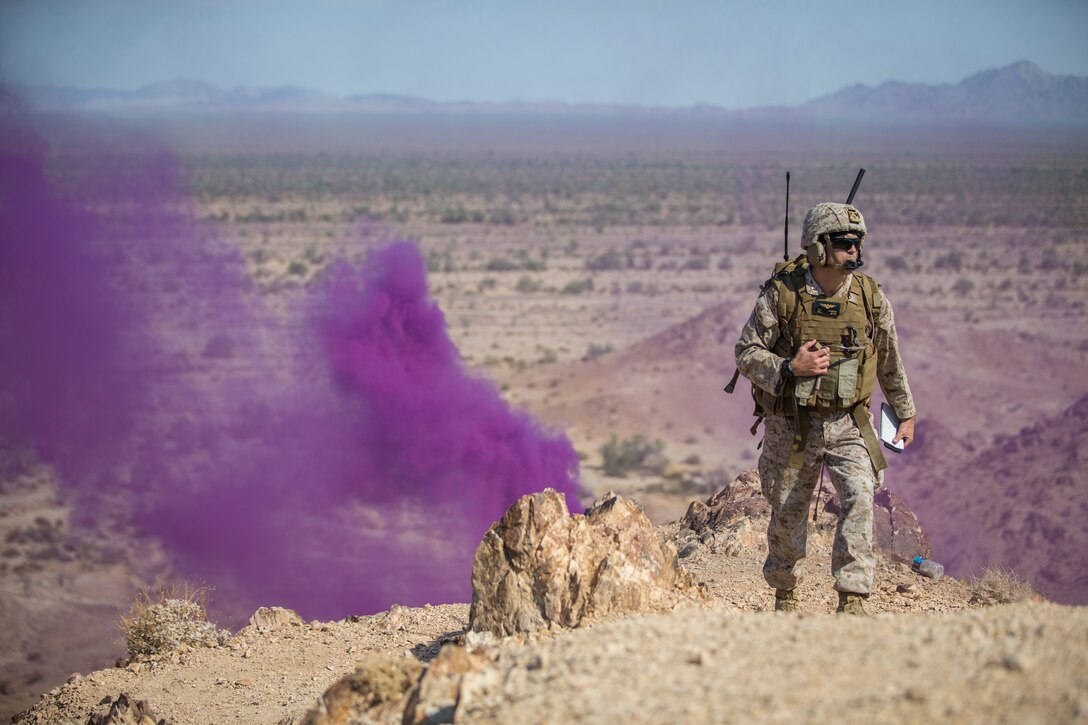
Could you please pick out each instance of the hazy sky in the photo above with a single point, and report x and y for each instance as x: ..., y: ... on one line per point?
x: 668, y: 52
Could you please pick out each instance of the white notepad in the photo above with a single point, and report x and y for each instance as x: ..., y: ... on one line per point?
x: 889, y: 426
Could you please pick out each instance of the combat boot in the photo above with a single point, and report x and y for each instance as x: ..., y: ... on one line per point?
x: 786, y: 600
x: 851, y: 603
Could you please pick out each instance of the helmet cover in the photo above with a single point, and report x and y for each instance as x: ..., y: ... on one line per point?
x: 829, y: 218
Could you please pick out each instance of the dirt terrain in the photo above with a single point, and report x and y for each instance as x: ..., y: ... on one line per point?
x: 599, y: 281
x: 927, y: 642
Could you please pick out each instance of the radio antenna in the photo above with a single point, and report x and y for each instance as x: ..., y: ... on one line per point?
x: 854, y: 190
x: 786, y: 241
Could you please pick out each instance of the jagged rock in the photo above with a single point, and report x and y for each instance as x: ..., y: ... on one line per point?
x: 269, y: 619
x: 123, y: 711
x: 724, y: 519
x: 741, y: 498
x: 539, y: 567
x: 441, y: 689
x: 376, y: 692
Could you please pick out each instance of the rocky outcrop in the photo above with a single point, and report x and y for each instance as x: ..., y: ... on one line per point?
x: 724, y: 521
x: 444, y: 686
x: 270, y: 619
x: 733, y: 519
x: 124, y: 711
x: 540, y: 568
x: 377, y: 692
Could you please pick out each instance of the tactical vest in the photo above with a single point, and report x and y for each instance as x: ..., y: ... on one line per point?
x: 846, y: 325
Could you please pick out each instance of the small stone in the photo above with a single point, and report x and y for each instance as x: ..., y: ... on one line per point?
x: 244, y: 682
x: 1014, y: 662
x: 914, y: 694
x: 698, y: 657
x: 74, y: 677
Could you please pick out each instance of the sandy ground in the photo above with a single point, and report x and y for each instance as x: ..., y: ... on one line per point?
x: 731, y: 660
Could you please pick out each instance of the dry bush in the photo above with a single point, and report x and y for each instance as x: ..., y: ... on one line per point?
x: 998, y: 585
x: 169, y: 618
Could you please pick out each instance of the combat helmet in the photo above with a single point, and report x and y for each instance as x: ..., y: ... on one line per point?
x: 826, y: 219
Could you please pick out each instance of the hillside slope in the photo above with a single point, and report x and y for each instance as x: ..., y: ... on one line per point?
x: 1020, y: 502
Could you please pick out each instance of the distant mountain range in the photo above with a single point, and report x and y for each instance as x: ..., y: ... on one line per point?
x: 1021, y: 92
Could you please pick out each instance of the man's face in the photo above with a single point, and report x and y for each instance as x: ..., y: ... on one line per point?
x: 844, y: 247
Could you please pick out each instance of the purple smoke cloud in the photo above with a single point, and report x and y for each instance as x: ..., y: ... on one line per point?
x: 328, y: 453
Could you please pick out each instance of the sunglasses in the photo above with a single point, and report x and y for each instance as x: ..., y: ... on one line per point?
x: 844, y: 244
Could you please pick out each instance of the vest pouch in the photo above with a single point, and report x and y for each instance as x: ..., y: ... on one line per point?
x: 848, y: 380
x: 803, y: 390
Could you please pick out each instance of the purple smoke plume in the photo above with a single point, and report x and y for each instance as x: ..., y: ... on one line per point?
x: 323, y: 450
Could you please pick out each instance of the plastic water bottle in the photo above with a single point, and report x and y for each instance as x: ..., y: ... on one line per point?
x: 927, y: 567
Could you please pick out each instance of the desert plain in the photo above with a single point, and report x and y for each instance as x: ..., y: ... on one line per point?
x: 596, y: 272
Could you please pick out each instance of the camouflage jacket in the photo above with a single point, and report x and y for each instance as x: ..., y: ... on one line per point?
x: 764, y: 368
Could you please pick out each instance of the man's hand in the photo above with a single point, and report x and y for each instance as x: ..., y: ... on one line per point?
x: 809, y: 361
x: 905, y: 432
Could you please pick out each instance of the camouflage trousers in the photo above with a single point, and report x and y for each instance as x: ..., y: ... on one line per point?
x: 834, y: 440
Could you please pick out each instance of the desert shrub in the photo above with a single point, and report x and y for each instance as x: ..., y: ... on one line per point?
x: 998, y: 585
x: 953, y: 260
x: 636, y: 453
x: 698, y: 263
x: 548, y: 356
x: 963, y: 287
x: 594, y: 351
x: 487, y: 283
x: 578, y: 286
x: 501, y: 264
x: 454, y: 215
x: 169, y: 619
x: 297, y: 268
x: 313, y: 255
x: 527, y: 284
x: 504, y: 215
x: 897, y: 263
x: 440, y: 261
x: 610, y: 260
x: 1051, y: 260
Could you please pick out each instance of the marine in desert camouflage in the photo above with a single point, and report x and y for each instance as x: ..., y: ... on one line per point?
x: 821, y: 335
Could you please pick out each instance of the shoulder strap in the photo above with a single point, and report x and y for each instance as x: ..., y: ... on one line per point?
x: 789, y: 283
x: 872, y: 297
